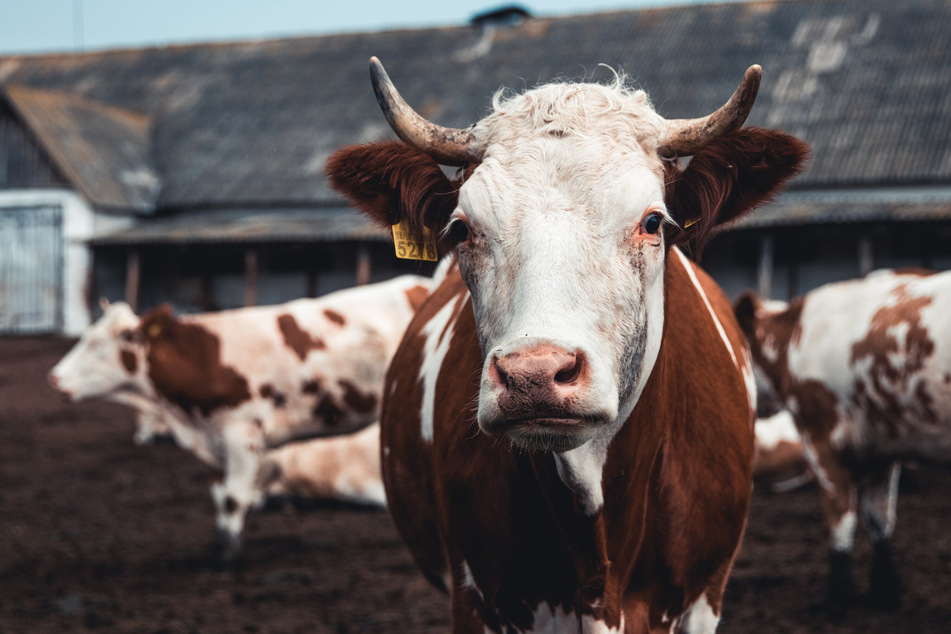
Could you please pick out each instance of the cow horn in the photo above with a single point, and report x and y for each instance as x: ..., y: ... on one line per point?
x: 685, y: 136
x: 448, y: 146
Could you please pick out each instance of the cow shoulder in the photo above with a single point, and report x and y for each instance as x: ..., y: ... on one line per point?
x: 185, y: 364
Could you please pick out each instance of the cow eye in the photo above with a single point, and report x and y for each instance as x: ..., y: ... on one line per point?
x: 458, y: 231
x: 652, y: 223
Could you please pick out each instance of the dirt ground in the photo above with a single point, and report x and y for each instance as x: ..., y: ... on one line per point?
x: 98, y: 534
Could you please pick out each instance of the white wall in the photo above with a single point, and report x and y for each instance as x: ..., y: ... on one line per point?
x: 80, y: 222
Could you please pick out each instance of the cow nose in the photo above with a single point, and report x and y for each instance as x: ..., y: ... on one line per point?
x: 541, y: 373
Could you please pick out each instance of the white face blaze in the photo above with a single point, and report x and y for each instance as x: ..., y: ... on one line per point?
x: 564, y: 257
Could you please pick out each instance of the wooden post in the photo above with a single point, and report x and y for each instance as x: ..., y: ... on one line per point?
x: 866, y: 256
x: 133, y: 271
x: 764, y: 272
x: 250, y: 277
x: 363, y: 265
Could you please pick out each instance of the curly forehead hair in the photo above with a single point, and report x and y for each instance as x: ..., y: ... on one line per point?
x: 573, y: 109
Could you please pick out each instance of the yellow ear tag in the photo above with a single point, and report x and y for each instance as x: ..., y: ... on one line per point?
x: 691, y: 222
x: 409, y: 248
x: 154, y: 331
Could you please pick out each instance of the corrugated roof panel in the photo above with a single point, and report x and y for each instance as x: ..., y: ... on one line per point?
x: 248, y: 226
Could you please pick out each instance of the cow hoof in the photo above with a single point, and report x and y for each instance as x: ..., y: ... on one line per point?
x: 227, y: 550
x: 885, y: 587
x: 841, y: 591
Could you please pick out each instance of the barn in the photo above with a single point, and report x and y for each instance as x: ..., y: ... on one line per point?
x: 193, y: 174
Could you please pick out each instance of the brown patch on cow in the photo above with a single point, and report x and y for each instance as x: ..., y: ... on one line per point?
x: 913, y: 270
x: 893, y: 364
x: 416, y: 296
x: 817, y: 406
x: 335, y: 317
x: 298, y: 340
x: 129, y: 361
x: 267, y: 391
x: 356, y: 400
x: 310, y: 387
x: 185, y: 364
x: 780, y: 329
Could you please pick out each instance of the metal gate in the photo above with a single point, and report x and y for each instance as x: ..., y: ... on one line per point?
x: 31, y: 269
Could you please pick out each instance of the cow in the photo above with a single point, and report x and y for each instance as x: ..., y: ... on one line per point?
x: 567, y: 427
x: 864, y: 366
x: 779, y: 463
x: 233, y: 384
x: 345, y: 467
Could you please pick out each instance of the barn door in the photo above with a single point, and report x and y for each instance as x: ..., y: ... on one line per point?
x: 31, y: 269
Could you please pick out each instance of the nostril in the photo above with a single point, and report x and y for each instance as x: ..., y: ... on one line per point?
x: 570, y: 370
x: 497, y: 375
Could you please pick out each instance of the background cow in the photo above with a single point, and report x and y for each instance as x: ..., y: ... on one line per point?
x: 344, y: 467
x: 865, y: 368
x: 567, y: 425
x: 233, y: 384
x: 779, y: 462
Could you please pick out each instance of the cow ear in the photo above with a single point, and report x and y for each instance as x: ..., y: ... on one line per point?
x: 728, y: 178
x: 391, y: 182
x: 745, y: 309
x: 156, y: 322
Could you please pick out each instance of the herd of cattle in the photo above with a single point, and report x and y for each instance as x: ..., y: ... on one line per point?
x: 562, y: 421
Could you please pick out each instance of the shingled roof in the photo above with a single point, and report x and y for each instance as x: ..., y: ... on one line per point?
x: 102, y: 150
x: 866, y: 82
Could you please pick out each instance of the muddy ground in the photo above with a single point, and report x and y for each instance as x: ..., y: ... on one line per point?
x: 98, y: 534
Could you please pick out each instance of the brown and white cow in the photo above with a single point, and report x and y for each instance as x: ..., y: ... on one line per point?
x: 567, y: 425
x: 865, y: 368
x: 231, y: 385
x: 344, y: 467
x: 779, y: 462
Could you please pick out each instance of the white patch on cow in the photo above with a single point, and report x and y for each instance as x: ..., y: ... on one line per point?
x: 746, y: 367
x: 776, y: 429
x: 812, y: 457
x: 548, y: 620
x: 878, y: 503
x: 698, y: 619
x: 769, y: 347
x: 842, y: 534
x: 437, y: 335
x: 706, y: 302
x: 468, y: 581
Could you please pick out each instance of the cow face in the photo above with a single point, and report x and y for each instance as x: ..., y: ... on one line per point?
x: 563, y: 254
x: 561, y: 223
x: 106, y: 359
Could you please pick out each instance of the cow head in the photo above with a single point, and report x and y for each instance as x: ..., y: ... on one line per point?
x: 561, y: 219
x: 106, y: 359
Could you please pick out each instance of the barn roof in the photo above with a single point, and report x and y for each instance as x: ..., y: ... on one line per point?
x: 867, y: 83
x: 102, y: 150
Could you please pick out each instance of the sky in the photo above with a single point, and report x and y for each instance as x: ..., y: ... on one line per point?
x: 64, y: 26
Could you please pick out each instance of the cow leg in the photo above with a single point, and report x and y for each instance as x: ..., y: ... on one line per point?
x: 837, y: 494
x: 699, y: 618
x: 244, y: 447
x: 878, y: 499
